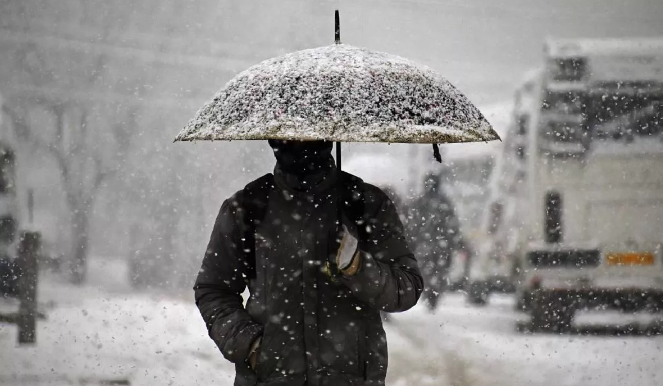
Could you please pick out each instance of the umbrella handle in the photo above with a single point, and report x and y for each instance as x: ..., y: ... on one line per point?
x: 330, y: 267
x: 339, y: 188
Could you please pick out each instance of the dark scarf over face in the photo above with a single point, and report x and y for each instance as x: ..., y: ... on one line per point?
x: 303, y: 164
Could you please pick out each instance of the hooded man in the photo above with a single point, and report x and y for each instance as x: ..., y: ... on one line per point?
x: 435, y: 231
x: 306, y: 322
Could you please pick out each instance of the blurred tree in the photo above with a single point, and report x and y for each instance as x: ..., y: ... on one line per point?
x: 90, y: 128
x: 85, y: 160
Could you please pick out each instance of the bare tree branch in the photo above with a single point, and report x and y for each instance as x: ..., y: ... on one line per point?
x: 20, y: 125
x: 100, y: 174
x: 24, y: 132
x: 79, y: 141
x: 59, y: 125
x: 83, y: 154
x: 98, y: 69
x: 34, y: 65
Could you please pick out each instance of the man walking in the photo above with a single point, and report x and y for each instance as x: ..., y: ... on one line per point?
x: 435, y: 231
x: 313, y: 315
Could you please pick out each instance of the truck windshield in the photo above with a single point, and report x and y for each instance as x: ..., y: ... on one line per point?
x: 565, y: 132
x: 615, y: 116
x: 567, y: 102
x: 570, y: 69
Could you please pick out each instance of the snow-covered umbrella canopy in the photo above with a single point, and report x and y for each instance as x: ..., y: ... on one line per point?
x: 339, y: 93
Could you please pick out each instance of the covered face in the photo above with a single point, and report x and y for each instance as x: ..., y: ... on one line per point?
x: 301, y: 157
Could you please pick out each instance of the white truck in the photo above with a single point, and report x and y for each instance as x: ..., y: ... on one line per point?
x: 577, y: 214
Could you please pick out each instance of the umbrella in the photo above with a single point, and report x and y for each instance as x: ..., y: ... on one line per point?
x: 340, y: 93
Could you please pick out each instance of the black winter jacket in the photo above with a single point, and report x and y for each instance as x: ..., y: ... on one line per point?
x: 314, y: 331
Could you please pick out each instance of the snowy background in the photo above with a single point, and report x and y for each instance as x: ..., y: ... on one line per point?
x: 125, y: 76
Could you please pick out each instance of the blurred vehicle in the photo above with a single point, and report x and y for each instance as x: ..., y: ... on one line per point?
x: 491, y: 269
x: 466, y: 170
x: 465, y: 175
x: 577, y: 205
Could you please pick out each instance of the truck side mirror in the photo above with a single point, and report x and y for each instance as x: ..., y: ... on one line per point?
x: 553, y: 217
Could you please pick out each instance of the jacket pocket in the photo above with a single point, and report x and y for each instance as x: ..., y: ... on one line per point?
x: 267, y: 355
x: 339, y: 345
x: 277, y: 354
x: 375, y: 358
x: 245, y: 376
x: 362, y: 350
x: 359, y: 312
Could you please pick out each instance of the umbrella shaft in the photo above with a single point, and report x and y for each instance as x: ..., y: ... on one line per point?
x: 337, y: 30
x: 339, y: 188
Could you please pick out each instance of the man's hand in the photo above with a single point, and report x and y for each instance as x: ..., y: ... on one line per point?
x: 348, y: 256
x: 253, y: 354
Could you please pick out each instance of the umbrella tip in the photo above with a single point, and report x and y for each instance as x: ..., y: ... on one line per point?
x: 337, y: 30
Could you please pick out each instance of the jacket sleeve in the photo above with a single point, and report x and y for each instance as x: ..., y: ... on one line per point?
x: 388, y: 277
x: 219, y: 286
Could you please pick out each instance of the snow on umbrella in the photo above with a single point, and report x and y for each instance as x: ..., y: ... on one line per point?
x: 339, y: 93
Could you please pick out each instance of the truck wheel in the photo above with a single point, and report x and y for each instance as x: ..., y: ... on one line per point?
x: 477, y: 294
x: 551, y: 313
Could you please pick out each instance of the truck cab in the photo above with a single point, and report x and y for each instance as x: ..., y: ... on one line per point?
x: 586, y: 225
x: 596, y: 204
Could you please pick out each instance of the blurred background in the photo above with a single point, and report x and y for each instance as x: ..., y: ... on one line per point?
x: 93, y: 93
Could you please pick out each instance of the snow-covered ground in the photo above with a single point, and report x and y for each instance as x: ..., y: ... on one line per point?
x: 103, y: 334
x: 480, y: 346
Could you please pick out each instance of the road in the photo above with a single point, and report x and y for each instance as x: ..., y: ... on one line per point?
x: 103, y: 333
x: 465, y: 345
